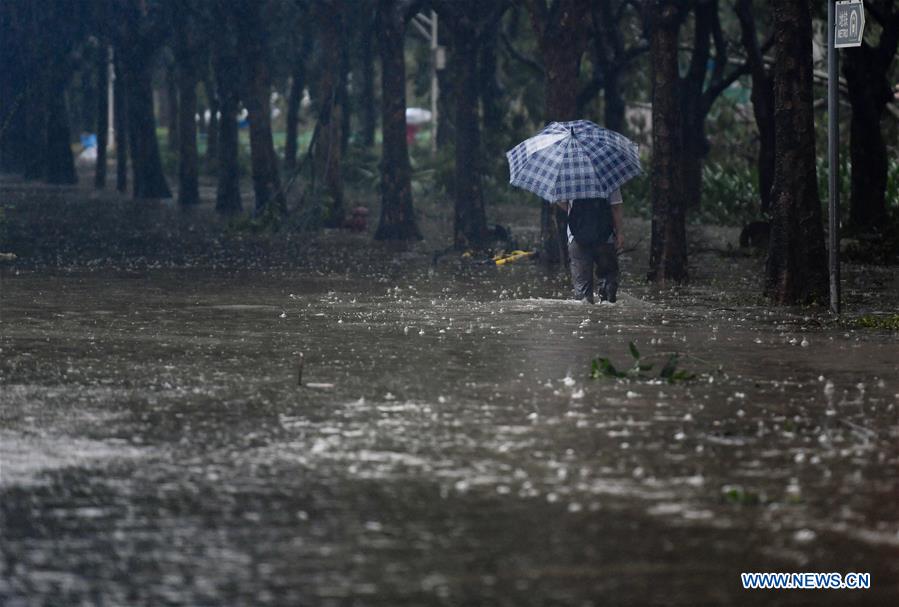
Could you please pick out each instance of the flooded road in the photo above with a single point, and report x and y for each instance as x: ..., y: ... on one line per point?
x: 449, y: 447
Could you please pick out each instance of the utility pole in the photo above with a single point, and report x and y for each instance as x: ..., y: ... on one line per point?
x: 833, y: 156
x: 845, y: 28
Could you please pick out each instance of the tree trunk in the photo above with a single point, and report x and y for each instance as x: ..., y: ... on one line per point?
x: 615, y: 107
x: 227, y: 196
x: 171, y: 108
x: 60, y: 163
x: 120, y: 127
x: 294, y: 99
x: 668, y: 248
x: 212, y: 130
x: 867, y: 149
x: 251, y: 38
x: 36, y: 128
x: 446, y: 127
x: 328, y: 152
x: 470, y: 224
x: 491, y: 92
x: 367, y: 104
x: 796, y: 266
x: 693, y: 143
x: 397, y: 215
x: 867, y: 70
x: 762, y: 97
x: 561, y: 35
x: 343, y: 91
x: 188, y: 180
x: 102, y: 118
x: 13, y: 92
x: 762, y: 101
x: 146, y: 165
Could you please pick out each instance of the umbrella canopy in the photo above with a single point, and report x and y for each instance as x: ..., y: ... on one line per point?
x: 417, y: 116
x: 573, y: 160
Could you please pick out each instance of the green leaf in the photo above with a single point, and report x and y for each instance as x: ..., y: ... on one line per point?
x: 669, y: 368
x: 681, y: 375
x: 645, y: 367
x: 603, y: 367
x: 634, y: 351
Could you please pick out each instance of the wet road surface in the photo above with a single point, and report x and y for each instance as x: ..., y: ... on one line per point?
x: 449, y: 448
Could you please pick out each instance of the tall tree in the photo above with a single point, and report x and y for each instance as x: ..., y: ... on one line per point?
x: 668, y: 248
x: 295, y: 95
x: 102, y: 71
x: 14, y: 84
x: 397, y: 214
x: 60, y: 162
x: 561, y: 30
x: 254, y: 62
x: 330, y: 16
x: 58, y: 67
x: 188, y: 54
x: 491, y: 90
x: 170, y: 111
x: 472, y: 22
x: 698, y: 92
x: 762, y: 99
x: 120, y: 125
x: 867, y: 69
x: 212, y: 130
x: 225, y: 64
x: 611, y: 57
x: 796, y: 267
x: 38, y: 41
x: 366, y: 60
x: 141, y: 32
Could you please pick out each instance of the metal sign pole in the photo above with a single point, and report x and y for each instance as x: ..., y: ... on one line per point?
x: 833, y: 156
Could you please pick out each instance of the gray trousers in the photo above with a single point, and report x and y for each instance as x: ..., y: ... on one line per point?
x: 583, y: 260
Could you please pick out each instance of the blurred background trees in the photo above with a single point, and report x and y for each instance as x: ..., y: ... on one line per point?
x: 323, y: 105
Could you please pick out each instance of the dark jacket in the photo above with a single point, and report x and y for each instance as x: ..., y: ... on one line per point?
x: 590, y: 221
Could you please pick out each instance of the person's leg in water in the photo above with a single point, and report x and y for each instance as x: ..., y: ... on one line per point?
x: 607, y: 270
x: 582, y: 260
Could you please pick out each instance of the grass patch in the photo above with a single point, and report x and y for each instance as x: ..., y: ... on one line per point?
x: 869, y: 321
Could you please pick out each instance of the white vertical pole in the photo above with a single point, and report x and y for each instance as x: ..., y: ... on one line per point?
x: 435, y: 89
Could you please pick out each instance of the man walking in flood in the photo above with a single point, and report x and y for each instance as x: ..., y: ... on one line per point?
x: 581, y: 166
x: 594, y: 239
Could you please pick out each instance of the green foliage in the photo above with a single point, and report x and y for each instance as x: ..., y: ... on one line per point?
x: 892, y: 194
x: 433, y: 174
x: 637, y: 193
x: 869, y: 321
x: 360, y: 168
x: 730, y: 194
x: 845, y: 183
x: 603, y: 368
x: 268, y: 221
x: 740, y: 496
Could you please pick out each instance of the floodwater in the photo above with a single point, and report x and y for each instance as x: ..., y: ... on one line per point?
x: 448, y: 447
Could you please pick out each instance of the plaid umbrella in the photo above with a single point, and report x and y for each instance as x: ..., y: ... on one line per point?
x: 573, y: 160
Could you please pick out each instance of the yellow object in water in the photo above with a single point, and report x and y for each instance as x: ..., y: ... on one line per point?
x: 502, y: 260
